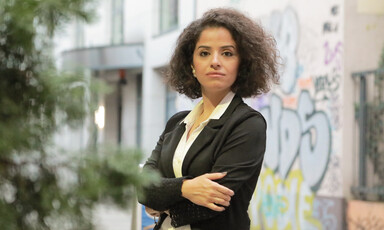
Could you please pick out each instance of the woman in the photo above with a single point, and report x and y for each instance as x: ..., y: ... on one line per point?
x: 210, y: 158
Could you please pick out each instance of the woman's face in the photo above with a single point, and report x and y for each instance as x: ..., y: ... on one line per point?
x: 216, y: 60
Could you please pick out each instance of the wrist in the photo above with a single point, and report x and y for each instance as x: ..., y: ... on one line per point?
x: 183, y: 187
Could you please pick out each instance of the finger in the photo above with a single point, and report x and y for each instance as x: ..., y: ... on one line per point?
x: 222, y: 196
x: 224, y: 190
x: 215, y: 176
x: 215, y: 193
x: 152, y: 213
x: 221, y: 188
x: 214, y: 207
x: 220, y: 201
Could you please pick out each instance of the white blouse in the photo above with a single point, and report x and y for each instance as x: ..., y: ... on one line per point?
x: 185, y: 144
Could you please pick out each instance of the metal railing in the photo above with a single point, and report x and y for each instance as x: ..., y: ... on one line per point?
x: 370, y: 117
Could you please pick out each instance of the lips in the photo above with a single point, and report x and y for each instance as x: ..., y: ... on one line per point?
x: 215, y: 74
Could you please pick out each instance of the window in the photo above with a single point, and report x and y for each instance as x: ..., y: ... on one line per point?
x: 117, y: 22
x: 79, y: 34
x: 168, y: 15
x: 170, y: 103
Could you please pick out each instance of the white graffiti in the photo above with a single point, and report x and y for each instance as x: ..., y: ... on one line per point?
x: 305, y: 133
x: 272, y: 116
x: 315, y: 145
x: 285, y: 27
x: 290, y: 137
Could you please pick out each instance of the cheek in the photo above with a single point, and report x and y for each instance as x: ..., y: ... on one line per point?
x: 195, y: 58
x: 235, y: 69
x: 198, y: 66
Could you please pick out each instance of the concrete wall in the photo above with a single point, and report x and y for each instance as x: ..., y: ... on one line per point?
x: 158, y: 49
x: 364, y: 42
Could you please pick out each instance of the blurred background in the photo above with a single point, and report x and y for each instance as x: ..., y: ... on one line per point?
x: 83, y: 102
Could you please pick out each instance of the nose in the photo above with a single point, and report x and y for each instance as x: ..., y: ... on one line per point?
x: 215, y: 62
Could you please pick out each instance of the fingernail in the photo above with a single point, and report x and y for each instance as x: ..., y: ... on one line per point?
x: 224, y: 172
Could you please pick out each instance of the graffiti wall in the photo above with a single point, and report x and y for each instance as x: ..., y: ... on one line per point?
x: 300, y: 186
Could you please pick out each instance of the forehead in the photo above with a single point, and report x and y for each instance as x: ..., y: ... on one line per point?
x: 215, y: 35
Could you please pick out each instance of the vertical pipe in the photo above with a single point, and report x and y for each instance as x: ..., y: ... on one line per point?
x: 139, y: 108
x: 122, y: 81
x: 95, y: 130
x: 363, y: 131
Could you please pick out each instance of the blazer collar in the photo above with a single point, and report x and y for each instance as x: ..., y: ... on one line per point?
x: 208, y: 133
x: 169, y: 147
x: 219, y: 122
x: 204, y: 138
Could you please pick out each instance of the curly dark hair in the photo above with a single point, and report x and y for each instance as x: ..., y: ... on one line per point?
x: 259, y: 57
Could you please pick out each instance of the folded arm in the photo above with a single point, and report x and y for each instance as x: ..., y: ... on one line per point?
x: 241, y: 156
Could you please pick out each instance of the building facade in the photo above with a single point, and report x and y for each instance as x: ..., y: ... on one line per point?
x: 311, y: 161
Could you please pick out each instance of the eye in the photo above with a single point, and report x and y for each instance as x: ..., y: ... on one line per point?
x: 204, y: 53
x: 228, y: 54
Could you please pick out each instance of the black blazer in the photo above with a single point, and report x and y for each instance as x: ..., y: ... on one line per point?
x: 235, y: 144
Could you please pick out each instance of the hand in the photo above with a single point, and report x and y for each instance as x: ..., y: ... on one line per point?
x: 202, y: 190
x: 152, y: 212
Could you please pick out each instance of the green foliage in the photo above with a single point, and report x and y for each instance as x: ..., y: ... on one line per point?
x: 31, y: 92
x: 105, y: 175
x: 41, y: 187
x: 58, y: 191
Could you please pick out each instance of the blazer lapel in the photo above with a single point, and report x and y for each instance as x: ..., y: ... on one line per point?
x: 204, y: 138
x: 208, y: 133
x: 171, y: 140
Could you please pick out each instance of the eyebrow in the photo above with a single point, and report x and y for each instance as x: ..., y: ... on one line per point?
x: 222, y: 47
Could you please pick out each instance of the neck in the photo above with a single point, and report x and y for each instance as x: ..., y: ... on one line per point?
x: 211, y: 101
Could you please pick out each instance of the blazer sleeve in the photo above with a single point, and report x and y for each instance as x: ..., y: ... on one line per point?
x: 241, y: 155
x: 166, y: 192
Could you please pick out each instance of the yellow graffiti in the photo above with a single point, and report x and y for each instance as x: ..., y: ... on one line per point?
x: 282, y: 204
x: 286, y: 203
x: 308, y: 214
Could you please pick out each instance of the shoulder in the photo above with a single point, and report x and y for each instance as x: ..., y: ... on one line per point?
x: 248, y: 125
x: 249, y: 116
x: 176, y: 119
